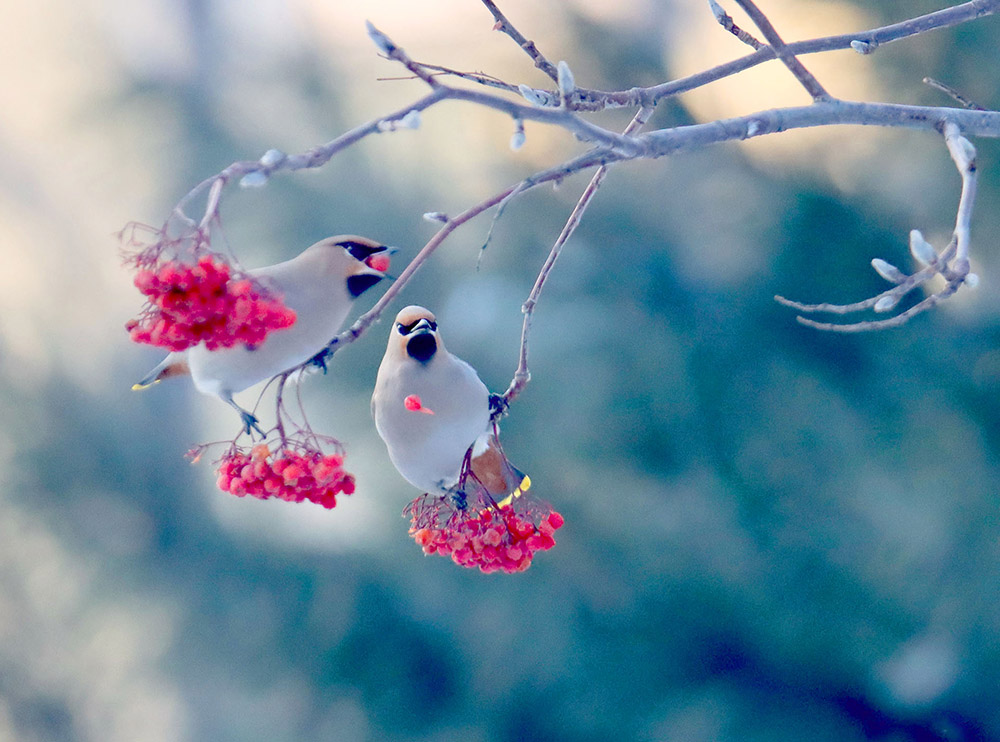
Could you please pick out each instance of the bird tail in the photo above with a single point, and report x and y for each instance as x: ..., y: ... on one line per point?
x: 172, y: 365
x: 494, y: 471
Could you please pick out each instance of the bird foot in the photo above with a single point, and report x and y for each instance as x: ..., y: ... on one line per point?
x: 319, y: 360
x: 250, y: 423
x: 498, y: 406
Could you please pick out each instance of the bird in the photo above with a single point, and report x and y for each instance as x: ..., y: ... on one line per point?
x: 320, y: 284
x: 455, y: 435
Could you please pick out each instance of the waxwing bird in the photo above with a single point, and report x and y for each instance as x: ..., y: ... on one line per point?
x: 320, y: 285
x: 432, y: 410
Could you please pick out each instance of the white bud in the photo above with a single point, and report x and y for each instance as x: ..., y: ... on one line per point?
x: 863, y: 47
x: 255, y: 179
x: 436, y: 216
x: 717, y: 11
x: 753, y: 128
x: 272, y: 157
x: 921, y: 249
x: 517, y: 140
x: 967, y: 149
x: 566, y: 83
x: 886, y: 303
x: 386, y: 125
x: 380, y: 39
x: 411, y: 120
x: 534, y: 97
x: 972, y: 280
x: 888, y: 271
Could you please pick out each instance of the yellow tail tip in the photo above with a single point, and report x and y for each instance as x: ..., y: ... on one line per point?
x: 523, y: 487
x: 140, y: 386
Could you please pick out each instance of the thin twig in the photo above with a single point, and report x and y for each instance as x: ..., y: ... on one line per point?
x: 952, y: 93
x: 726, y: 21
x: 522, y: 375
x: 502, y: 24
x: 804, y: 76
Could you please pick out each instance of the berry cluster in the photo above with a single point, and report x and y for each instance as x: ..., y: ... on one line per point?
x: 189, y: 304
x: 493, y: 539
x: 288, y: 475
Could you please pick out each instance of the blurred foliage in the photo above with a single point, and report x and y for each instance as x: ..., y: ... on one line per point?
x: 772, y: 533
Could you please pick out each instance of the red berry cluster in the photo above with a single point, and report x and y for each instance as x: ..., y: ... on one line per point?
x: 493, y: 539
x: 189, y: 304
x: 288, y: 475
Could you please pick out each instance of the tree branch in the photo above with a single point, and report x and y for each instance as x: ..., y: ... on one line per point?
x: 804, y: 76
x: 502, y: 24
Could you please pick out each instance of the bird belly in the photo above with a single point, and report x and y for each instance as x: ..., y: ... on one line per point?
x: 231, y: 370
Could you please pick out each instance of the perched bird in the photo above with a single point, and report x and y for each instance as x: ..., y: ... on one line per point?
x: 434, y: 413
x: 320, y: 285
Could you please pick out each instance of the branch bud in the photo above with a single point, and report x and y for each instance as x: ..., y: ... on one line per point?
x: 539, y: 98
x: 717, y: 11
x: 411, y: 120
x: 972, y: 280
x: 517, y: 139
x: 864, y: 47
x: 921, y: 249
x: 888, y: 271
x: 961, y: 149
x: 380, y: 40
x: 566, y: 82
x: 255, y: 179
x: 436, y: 216
x: 886, y: 303
x: 272, y: 158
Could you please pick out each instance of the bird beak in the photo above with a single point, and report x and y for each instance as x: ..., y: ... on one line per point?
x: 423, y: 325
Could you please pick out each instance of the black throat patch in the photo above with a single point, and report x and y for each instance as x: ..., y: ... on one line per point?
x: 359, y: 284
x: 421, y: 347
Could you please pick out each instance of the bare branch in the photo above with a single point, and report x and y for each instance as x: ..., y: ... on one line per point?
x: 786, y: 55
x: 598, y: 100
x: 726, y: 21
x: 502, y: 24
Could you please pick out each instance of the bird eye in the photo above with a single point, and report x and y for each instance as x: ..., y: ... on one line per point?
x: 360, y: 251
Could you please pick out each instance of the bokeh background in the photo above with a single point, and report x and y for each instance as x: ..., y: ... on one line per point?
x: 771, y: 533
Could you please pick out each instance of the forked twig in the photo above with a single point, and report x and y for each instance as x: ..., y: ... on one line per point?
x: 955, y: 273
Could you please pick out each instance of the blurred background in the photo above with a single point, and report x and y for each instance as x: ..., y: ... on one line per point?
x: 771, y: 533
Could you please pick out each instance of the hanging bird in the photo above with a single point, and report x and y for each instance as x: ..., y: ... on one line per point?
x: 435, y: 414
x: 320, y: 285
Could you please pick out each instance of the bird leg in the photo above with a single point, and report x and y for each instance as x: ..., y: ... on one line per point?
x: 498, y: 406
x: 249, y: 420
x: 319, y: 360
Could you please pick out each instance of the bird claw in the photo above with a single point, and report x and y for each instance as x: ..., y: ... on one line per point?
x: 250, y: 423
x: 319, y: 360
x: 498, y: 406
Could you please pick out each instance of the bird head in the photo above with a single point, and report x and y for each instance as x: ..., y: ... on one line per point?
x: 414, y: 335
x: 363, y: 261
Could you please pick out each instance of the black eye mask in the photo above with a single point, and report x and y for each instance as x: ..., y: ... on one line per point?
x: 359, y: 251
x: 407, y: 329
